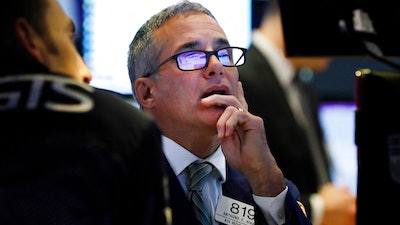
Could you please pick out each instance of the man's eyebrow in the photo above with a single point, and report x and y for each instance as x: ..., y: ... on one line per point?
x: 222, y: 41
x: 194, y: 44
x: 72, y: 26
x: 188, y: 45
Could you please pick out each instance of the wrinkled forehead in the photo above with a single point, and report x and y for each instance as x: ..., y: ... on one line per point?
x: 190, y: 30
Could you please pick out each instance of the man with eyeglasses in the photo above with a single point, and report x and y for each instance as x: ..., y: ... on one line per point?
x: 184, y: 74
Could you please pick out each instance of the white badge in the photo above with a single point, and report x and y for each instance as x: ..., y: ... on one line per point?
x: 234, y: 212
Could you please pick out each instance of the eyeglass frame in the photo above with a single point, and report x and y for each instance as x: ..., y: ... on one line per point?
x: 208, y: 55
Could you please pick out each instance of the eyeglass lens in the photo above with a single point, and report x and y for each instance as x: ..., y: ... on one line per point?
x: 198, y: 59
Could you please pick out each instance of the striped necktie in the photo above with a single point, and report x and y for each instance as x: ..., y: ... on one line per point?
x: 198, y: 173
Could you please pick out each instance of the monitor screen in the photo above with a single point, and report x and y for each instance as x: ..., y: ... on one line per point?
x: 338, y: 122
x: 109, y: 27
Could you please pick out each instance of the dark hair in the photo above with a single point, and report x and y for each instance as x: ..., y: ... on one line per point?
x: 31, y: 10
x: 143, y: 51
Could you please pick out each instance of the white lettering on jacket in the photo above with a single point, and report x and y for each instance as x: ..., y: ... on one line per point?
x: 53, y: 93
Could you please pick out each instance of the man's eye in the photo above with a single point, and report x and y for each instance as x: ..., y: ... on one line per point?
x: 76, y: 38
x: 77, y: 41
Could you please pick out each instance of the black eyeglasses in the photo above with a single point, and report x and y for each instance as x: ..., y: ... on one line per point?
x: 196, y: 59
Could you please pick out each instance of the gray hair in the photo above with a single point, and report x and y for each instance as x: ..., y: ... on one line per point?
x: 143, y: 51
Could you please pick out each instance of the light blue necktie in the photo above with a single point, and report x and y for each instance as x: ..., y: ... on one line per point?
x: 198, y: 173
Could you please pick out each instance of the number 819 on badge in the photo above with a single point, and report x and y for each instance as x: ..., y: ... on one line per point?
x: 234, y: 212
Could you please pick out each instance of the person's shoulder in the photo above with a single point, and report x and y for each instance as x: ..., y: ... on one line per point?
x: 105, y: 96
x: 117, y: 107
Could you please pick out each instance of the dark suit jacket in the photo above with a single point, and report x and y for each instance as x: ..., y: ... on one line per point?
x: 237, y: 187
x: 71, y: 155
x: 287, y: 140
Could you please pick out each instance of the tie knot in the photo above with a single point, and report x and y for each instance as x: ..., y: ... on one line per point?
x: 198, y: 172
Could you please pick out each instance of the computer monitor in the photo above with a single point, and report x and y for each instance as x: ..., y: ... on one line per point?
x: 378, y: 140
x: 341, y: 27
x: 337, y: 121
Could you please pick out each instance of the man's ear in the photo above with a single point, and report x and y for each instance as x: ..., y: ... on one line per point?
x: 144, y: 91
x: 28, y: 38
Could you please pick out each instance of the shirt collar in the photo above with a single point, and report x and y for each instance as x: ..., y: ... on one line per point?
x: 280, y: 65
x: 179, y: 158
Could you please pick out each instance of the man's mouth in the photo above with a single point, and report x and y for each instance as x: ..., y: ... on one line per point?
x: 220, y: 92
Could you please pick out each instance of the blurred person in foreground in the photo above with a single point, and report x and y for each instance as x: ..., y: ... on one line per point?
x: 183, y: 73
x: 267, y: 81
x: 69, y: 153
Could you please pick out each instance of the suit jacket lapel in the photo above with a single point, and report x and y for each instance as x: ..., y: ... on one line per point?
x: 237, y: 187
